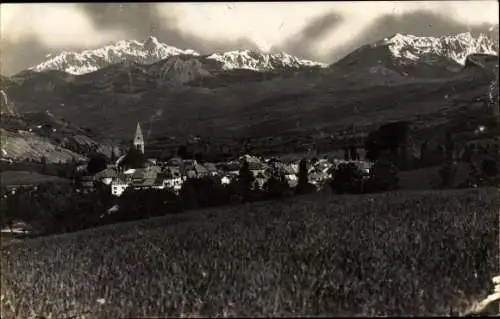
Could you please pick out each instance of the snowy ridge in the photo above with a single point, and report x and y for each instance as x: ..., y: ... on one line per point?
x: 128, y: 52
x: 245, y: 59
x: 410, y: 48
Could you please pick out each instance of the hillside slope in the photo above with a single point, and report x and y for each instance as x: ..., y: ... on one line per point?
x: 300, y: 256
x: 34, y: 136
x: 420, y: 56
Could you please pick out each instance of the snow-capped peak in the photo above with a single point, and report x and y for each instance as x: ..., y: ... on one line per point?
x: 86, y: 61
x: 151, y: 51
x: 258, y: 61
x: 151, y: 43
x: 455, y: 47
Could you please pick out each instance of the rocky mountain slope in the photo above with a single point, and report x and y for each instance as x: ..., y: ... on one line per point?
x: 402, y: 77
x: 420, y: 56
x: 32, y: 136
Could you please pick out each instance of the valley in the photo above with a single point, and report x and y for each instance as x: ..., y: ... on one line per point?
x: 280, y: 160
x: 245, y: 97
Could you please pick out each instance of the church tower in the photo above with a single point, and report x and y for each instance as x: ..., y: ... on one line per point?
x: 139, y: 139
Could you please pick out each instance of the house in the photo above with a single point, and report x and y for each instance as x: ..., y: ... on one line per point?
x: 145, y: 178
x: 232, y: 168
x: 256, y: 168
x: 172, y: 178
x: 106, y: 176
x: 87, y: 182
x: 81, y: 168
x: 118, y: 186
x: 364, y: 166
x: 228, y: 178
x: 212, y: 169
x: 175, y: 161
x: 318, y: 177
x: 322, y: 166
x: 292, y: 180
x: 192, y: 169
x: 260, y: 179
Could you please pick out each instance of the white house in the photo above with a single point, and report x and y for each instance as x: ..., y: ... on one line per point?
x: 173, y: 178
x: 225, y: 180
x: 173, y: 182
x: 291, y: 179
x: 118, y: 186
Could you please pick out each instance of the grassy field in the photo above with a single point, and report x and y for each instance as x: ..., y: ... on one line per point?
x: 402, y: 253
x: 28, y: 178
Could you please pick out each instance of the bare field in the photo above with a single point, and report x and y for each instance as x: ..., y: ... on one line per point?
x: 402, y: 253
x: 28, y: 178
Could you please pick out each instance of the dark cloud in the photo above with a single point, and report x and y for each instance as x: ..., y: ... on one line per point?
x: 139, y: 20
x: 135, y: 20
x: 419, y: 23
x: 300, y: 44
x: 22, y: 54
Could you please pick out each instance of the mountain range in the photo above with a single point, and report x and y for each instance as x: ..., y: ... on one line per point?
x: 151, y: 51
x: 245, y: 93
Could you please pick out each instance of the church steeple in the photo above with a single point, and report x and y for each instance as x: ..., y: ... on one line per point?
x: 139, y: 139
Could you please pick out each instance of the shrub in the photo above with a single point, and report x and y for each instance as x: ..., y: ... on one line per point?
x: 276, y: 187
x: 96, y: 164
x: 303, y: 185
x: 347, y: 178
x: 383, y: 176
x: 245, y: 181
x: 447, y: 175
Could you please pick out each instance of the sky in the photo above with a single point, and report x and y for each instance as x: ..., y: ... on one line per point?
x: 321, y: 31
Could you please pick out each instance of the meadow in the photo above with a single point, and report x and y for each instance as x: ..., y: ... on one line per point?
x: 398, y: 253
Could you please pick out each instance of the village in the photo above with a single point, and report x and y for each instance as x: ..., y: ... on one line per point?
x: 171, y: 174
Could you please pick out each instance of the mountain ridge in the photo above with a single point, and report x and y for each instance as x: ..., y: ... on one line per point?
x: 152, y: 51
x: 188, y: 94
x: 420, y: 56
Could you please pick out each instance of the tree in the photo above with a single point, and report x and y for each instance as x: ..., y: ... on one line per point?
x: 423, y: 153
x: 276, y: 186
x: 383, y: 176
x: 96, y: 163
x: 448, y: 174
x: 182, y: 152
x: 392, y: 137
x: 467, y: 154
x: 207, y: 190
x: 347, y: 178
x: 245, y: 180
x: 346, y: 153
x: 43, y: 160
x: 133, y: 159
x: 198, y: 156
x: 491, y: 171
x: 353, y: 153
x: 303, y: 185
x: 113, y: 156
x: 449, y: 147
